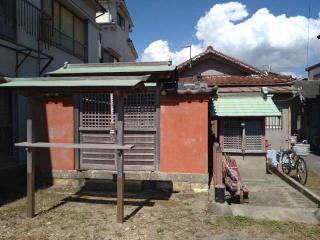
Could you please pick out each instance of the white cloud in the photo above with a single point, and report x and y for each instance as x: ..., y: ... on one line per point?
x: 159, y: 51
x: 292, y: 74
x: 259, y: 39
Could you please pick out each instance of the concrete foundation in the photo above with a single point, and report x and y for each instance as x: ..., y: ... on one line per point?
x: 135, y: 180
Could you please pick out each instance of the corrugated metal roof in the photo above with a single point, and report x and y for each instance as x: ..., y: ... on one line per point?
x: 111, y: 68
x: 102, y: 81
x: 310, y: 88
x: 244, y: 105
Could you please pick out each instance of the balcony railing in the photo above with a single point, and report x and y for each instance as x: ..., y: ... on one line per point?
x: 8, y: 19
x: 35, y: 22
x: 69, y: 44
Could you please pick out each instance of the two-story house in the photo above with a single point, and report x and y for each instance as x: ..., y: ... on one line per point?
x: 116, y: 24
x: 308, y: 110
x: 37, y: 36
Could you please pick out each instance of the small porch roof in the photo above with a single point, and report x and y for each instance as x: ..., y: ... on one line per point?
x: 244, y: 105
x: 87, y: 81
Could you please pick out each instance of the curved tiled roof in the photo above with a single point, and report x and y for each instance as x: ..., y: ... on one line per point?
x: 212, y: 52
x: 233, y: 80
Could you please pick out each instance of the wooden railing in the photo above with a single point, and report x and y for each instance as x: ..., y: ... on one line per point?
x: 69, y: 44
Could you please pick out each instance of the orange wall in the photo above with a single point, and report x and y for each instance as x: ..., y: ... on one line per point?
x: 184, y: 134
x: 54, y: 122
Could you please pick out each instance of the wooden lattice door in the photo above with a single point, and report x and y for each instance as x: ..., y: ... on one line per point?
x: 98, y: 115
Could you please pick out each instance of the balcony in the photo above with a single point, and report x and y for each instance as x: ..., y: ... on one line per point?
x: 69, y: 44
x: 23, y: 15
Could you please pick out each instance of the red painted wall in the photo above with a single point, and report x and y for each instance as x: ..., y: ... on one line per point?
x: 54, y: 122
x: 184, y: 134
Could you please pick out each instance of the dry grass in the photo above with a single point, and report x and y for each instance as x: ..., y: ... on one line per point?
x: 149, y: 216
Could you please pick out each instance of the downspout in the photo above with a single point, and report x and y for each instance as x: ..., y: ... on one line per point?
x: 243, y: 142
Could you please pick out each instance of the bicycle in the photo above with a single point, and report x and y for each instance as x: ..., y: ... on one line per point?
x: 291, y: 159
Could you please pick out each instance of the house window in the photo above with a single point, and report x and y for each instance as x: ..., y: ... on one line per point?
x: 121, y: 21
x: 299, y: 121
x: 69, y: 30
x: 235, y: 131
x: 274, y: 122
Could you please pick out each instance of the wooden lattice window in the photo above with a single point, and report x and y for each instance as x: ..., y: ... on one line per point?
x: 140, y: 111
x: 253, y: 131
x: 233, y: 135
x: 96, y: 111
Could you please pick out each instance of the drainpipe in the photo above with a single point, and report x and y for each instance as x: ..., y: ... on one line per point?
x: 243, y: 142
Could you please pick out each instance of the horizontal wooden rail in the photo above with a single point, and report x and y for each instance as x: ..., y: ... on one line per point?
x: 74, y: 145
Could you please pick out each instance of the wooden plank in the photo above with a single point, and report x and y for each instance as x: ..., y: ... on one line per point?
x: 74, y: 145
x: 158, y: 108
x: 120, y: 176
x: 76, y: 100
x: 30, y: 165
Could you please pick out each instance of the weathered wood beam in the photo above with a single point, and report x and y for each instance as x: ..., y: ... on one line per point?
x: 30, y: 164
x: 73, y: 145
x: 120, y: 141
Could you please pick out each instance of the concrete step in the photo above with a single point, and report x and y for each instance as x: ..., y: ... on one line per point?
x: 306, y: 215
x: 300, y: 215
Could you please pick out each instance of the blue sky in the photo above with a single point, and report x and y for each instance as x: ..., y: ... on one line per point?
x: 175, y: 22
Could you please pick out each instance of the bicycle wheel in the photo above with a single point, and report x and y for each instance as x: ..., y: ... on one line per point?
x: 286, y: 163
x: 302, y: 171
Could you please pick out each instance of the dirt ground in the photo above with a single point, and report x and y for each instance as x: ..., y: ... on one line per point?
x: 313, y: 164
x: 64, y: 213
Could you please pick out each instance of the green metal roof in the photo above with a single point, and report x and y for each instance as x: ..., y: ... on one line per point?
x: 244, y: 105
x: 101, y: 81
x: 111, y: 68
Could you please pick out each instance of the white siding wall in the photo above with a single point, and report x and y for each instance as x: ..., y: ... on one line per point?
x: 93, y: 43
x: 115, y: 39
x: 313, y: 72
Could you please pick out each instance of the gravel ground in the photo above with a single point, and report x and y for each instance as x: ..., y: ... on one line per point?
x: 68, y: 214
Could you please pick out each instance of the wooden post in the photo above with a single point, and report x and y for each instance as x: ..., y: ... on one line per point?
x: 120, y: 175
x: 30, y: 165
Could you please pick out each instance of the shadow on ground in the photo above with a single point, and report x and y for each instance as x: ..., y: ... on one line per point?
x: 104, y: 192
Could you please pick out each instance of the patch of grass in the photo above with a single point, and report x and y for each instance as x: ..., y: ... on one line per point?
x: 208, y: 221
x: 289, y: 228
x: 240, y: 221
